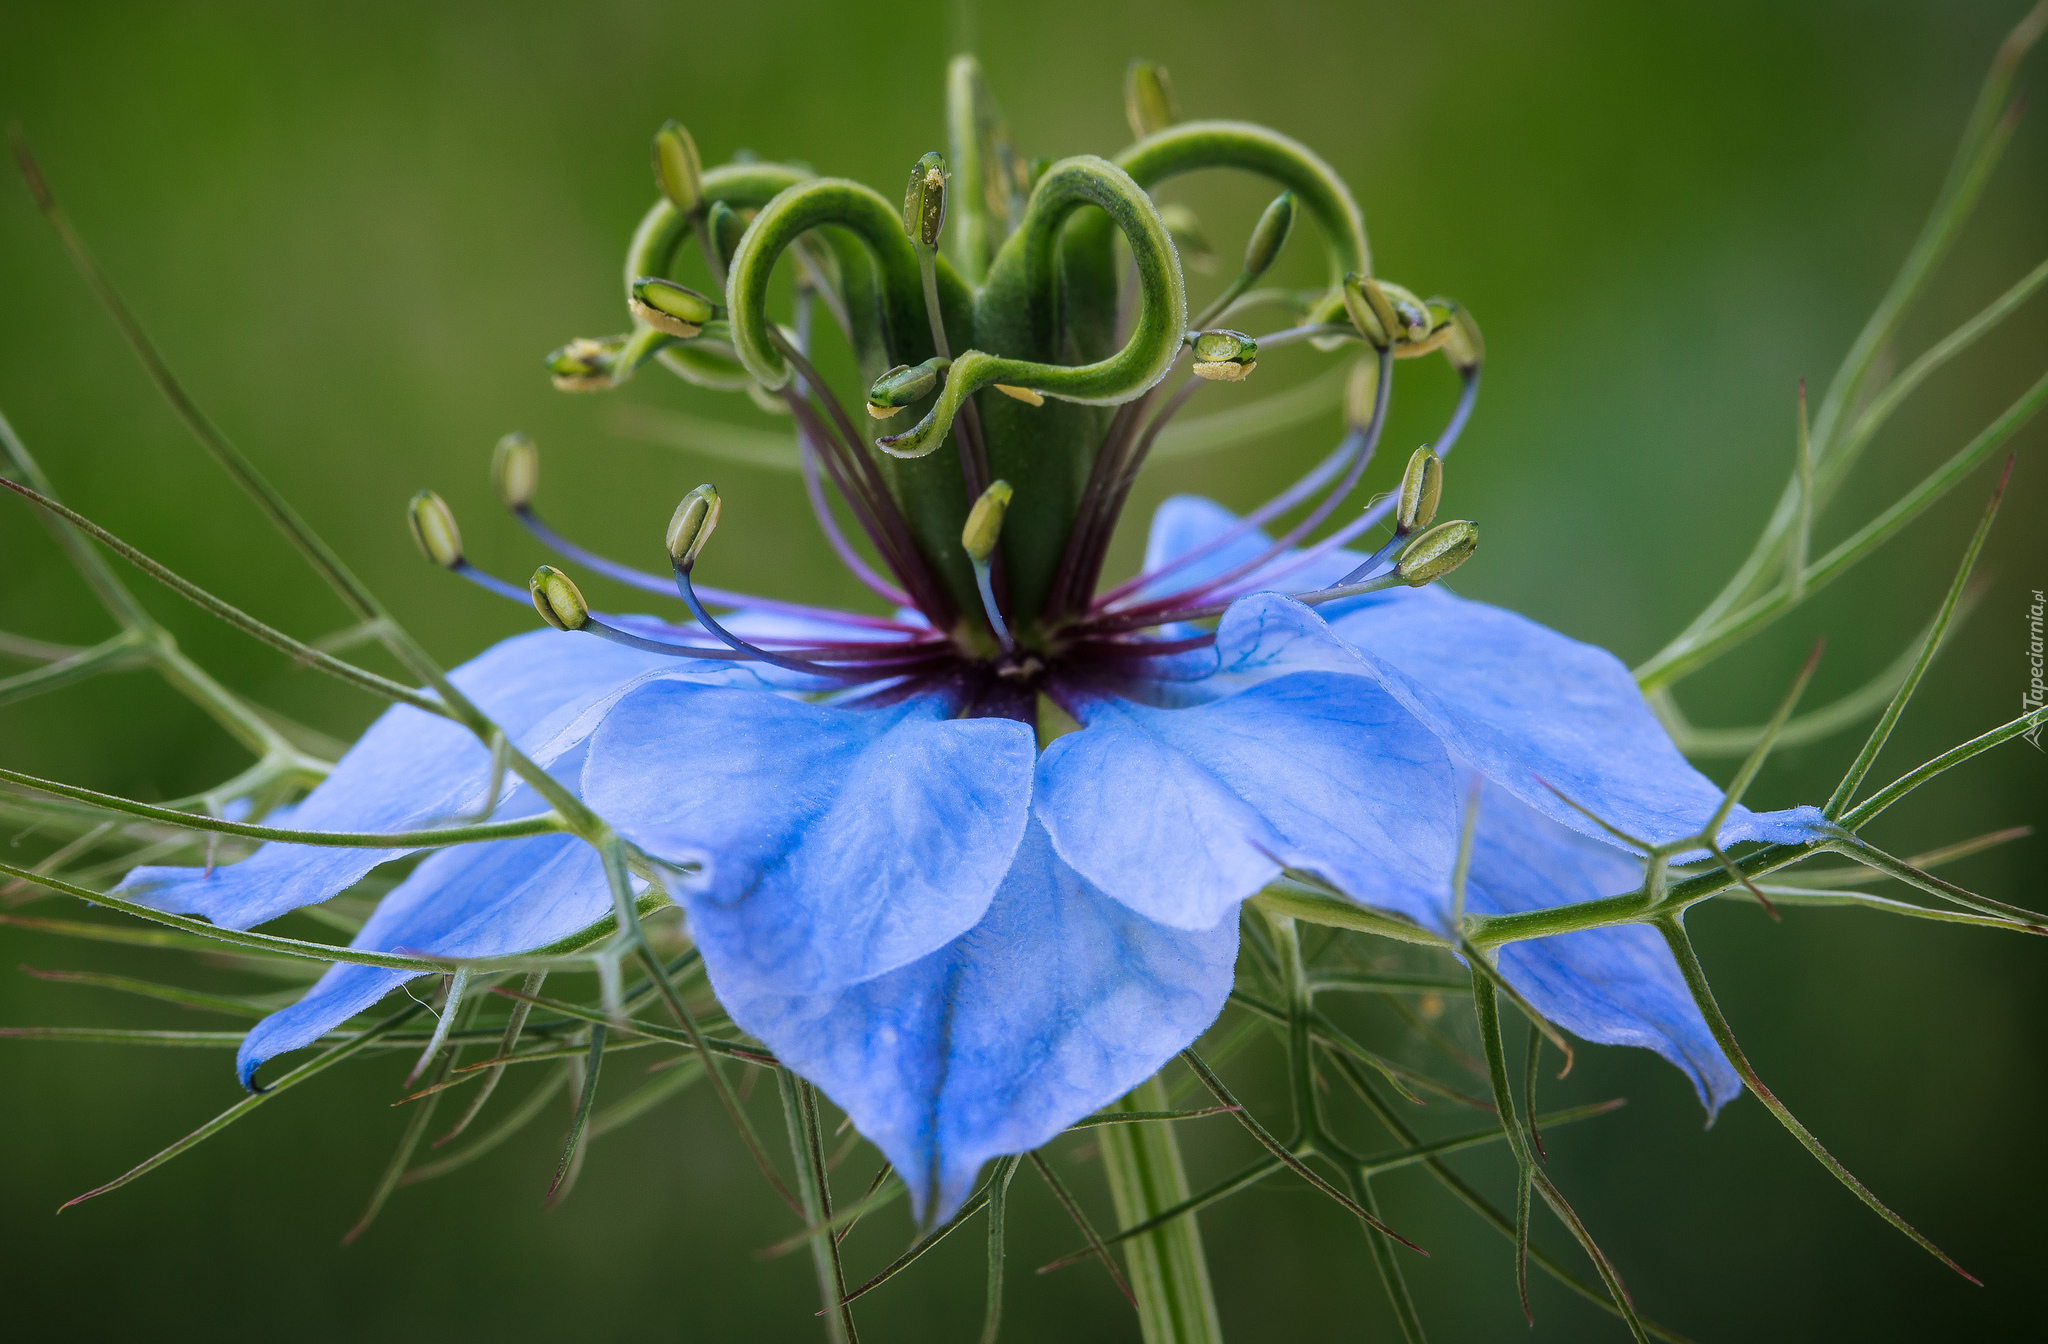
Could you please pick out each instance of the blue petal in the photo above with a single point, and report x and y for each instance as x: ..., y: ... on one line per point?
x: 836, y: 843
x: 1058, y: 1002
x: 487, y: 900
x: 1618, y: 986
x: 410, y: 770
x: 1182, y: 813
x: 1522, y: 704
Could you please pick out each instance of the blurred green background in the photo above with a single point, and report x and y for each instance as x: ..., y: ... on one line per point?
x: 356, y: 228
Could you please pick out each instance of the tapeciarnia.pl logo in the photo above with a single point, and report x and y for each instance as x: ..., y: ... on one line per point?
x: 2032, y: 700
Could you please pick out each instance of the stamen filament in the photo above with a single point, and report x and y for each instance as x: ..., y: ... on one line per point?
x: 654, y: 583
x: 989, y: 607
x: 744, y: 649
x: 1368, y: 440
x: 1379, y: 511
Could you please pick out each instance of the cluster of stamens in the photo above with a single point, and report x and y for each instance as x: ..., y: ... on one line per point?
x: 1079, y: 620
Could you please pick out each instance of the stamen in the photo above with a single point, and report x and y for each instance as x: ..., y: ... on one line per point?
x: 688, y: 532
x: 1294, y: 494
x: 515, y: 471
x: 872, y: 502
x: 561, y: 604
x: 978, y: 538
x: 1344, y: 535
x: 924, y: 219
x: 1269, y: 235
x: 1370, y: 439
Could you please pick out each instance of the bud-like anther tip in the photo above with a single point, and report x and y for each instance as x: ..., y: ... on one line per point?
x: 669, y: 307
x: 692, y: 525
x: 1269, y: 235
x: 985, y: 522
x: 1224, y: 356
x: 515, y: 470
x: 1422, y: 484
x: 584, y: 364
x: 1149, y: 103
x: 905, y: 384
x: 433, y: 527
x: 1436, y: 553
x: 677, y: 170
x: 1366, y: 305
x: 557, y: 599
x: 1028, y: 395
x: 924, y: 201
x: 1464, y: 346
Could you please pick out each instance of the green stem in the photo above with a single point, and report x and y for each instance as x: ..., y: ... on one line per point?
x: 544, y: 824
x: 1168, y: 1272
x: 799, y: 1114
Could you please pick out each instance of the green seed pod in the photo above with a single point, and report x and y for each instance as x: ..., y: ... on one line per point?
x: 1189, y: 238
x: 557, y: 599
x: 1422, y: 484
x: 585, y: 365
x: 691, y: 526
x: 1225, y: 356
x: 669, y: 307
x: 1361, y: 393
x: 1149, y: 103
x: 985, y: 522
x: 924, y: 201
x: 677, y: 169
x: 1436, y: 553
x: 515, y: 470
x: 1269, y: 235
x: 433, y: 527
x: 726, y: 227
x: 905, y: 384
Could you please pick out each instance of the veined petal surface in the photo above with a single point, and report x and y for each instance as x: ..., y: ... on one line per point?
x: 412, y: 770
x: 1617, y: 986
x: 488, y: 900
x: 835, y: 844
x: 1057, y: 1003
x: 1182, y: 813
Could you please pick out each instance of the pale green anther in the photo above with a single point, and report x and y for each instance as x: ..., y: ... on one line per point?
x: 1463, y: 345
x: 1148, y: 99
x: 904, y: 385
x: 695, y: 519
x: 1411, y: 315
x: 433, y: 527
x: 726, y: 227
x: 1436, y: 553
x: 1269, y: 235
x: 677, y: 169
x: 515, y: 470
x: 1422, y: 484
x: 924, y: 201
x: 1224, y: 356
x: 557, y: 599
x: 985, y: 522
x: 1361, y: 393
x: 1189, y: 238
x: 584, y: 364
x: 1368, y: 309
x: 669, y: 307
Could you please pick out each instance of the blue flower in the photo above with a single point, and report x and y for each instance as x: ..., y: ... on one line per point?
x: 969, y: 942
